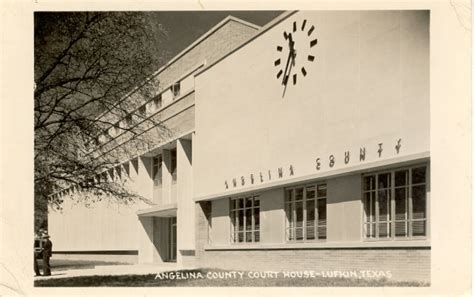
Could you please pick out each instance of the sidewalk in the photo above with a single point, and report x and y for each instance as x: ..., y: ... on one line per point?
x: 132, y: 269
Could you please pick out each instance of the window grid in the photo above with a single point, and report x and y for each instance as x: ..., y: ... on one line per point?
x: 400, y: 221
x: 245, y: 217
x: 305, y: 208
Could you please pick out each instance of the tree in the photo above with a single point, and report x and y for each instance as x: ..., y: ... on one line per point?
x: 91, y: 68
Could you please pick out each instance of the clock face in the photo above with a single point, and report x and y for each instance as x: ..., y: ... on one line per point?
x: 296, y: 51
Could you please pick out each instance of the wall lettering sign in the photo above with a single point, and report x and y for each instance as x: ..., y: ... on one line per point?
x: 362, y: 154
x: 289, y: 171
x: 280, y: 173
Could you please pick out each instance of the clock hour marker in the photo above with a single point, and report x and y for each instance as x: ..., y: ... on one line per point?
x: 310, y: 58
x: 279, y: 73
x: 302, y: 26
x: 294, y: 26
x: 303, y: 71
x: 294, y: 79
x: 277, y: 62
x: 279, y: 48
x: 314, y: 42
x: 285, y: 35
x: 310, y: 30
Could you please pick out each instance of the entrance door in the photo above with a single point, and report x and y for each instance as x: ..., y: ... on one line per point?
x: 172, y: 239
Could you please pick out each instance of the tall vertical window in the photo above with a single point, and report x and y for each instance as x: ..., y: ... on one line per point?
x: 305, y: 209
x: 395, y: 203
x: 118, y: 175
x: 142, y: 111
x: 176, y: 89
x: 111, y: 131
x: 115, y: 130
x: 128, y: 121
x: 126, y: 169
x: 157, y: 102
x: 245, y: 217
x: 157, y: 176
x: 174, y: 165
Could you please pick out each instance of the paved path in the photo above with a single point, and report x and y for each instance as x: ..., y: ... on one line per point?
x: 132, y: 269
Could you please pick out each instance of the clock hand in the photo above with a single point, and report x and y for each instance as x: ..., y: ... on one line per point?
x: 292, y: 49
x: 291, y: 42
x: 286, y: 68
x: 289, y: 71
x: 292, y: 63
x: 293, y: 57
x: 290, y: 54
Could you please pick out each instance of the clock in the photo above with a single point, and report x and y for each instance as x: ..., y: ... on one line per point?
x: 295, y: 52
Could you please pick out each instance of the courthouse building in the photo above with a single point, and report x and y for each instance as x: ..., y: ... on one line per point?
x: 300, y: 145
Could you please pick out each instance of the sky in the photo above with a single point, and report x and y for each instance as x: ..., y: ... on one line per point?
x: 185, y: 27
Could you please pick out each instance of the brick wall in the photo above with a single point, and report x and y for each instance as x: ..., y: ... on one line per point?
x: 403, y: 263
x: 215, y: 46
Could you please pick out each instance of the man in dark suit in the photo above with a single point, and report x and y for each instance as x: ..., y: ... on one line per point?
x: 36, y: 249
x: 47, y: 251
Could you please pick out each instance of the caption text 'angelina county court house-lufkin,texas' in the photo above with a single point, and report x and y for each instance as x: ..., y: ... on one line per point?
x: 300, y: 145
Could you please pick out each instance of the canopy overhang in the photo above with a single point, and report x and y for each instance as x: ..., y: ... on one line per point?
x: 162, y: 211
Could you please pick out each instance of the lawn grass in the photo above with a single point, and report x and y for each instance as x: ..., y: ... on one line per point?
x: 150, y: 280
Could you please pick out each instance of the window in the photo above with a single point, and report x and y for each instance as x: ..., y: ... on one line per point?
x: 157, y: 177
x: 115, y: 130
x: 157, y: 101
x: 174, y: 171
x: 142, y: 111
x: 111, y: 132
x: 135, y: 165
x: 175, y: 89
x: 305, y: 209
x: 395, y: 203
x: 104, y: 177
x: 102, y: 138
x: 128, y: 121
x: 245, y: 217
x: 126, y: 170
x: 118, y: 176
x: 112, y: 174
